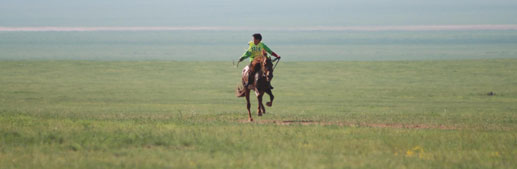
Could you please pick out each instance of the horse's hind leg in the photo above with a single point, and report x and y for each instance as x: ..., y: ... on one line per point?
x: 247, y: 92
x: 271, y: 97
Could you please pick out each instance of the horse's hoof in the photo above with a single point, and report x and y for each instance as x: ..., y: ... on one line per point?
x: 260, y: 114
x: 250, y: 119
x: 269, y: 104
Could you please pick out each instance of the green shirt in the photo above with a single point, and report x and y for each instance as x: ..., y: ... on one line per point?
x: 255, y: 51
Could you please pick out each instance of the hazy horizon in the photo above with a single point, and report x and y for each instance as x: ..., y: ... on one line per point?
x: 256, y: 13
x: 327, y: 30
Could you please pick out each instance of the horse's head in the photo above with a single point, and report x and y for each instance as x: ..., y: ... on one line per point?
x: 268, y: 68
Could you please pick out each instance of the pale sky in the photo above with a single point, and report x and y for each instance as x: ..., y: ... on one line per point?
x: 16, y: 13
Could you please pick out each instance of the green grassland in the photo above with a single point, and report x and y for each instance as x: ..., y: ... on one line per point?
x: 340, y: 114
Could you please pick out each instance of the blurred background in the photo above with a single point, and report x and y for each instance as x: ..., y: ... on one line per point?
x: 298, y: 30
x: 254, y: 13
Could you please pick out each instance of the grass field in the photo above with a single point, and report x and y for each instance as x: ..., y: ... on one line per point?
x: 344, y: 114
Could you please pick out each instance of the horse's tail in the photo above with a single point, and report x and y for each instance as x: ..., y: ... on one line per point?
x: 240, y: 91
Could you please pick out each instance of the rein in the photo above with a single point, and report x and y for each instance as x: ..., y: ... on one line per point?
x: 277, y: 60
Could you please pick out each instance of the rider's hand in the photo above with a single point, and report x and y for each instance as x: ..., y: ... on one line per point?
x: 241, y: 59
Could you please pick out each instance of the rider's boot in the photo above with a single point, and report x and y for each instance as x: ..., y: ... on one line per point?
x: 270, y: 86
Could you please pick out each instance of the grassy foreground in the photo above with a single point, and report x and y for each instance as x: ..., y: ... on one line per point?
x: 418, y: 114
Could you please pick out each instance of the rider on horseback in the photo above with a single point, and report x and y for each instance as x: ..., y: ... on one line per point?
x: 255, y: 51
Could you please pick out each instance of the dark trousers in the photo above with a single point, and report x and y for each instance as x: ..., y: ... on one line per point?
x: 254, y: 67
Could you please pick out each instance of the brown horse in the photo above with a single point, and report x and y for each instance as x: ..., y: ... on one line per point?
x: 261, y: 85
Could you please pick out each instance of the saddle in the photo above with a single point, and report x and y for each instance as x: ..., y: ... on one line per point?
x: 245, y: 72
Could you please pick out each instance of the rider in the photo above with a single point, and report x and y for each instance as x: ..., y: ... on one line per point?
x: 255, y: 50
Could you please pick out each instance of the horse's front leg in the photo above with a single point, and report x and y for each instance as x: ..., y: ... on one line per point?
x: 263, y: 107
x: 271, y: 97
x: 260, y: 105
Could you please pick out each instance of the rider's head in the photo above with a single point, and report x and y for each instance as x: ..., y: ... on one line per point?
x: 257, y: 38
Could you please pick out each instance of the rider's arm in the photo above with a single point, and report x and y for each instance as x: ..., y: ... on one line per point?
x: 246, y: 54
x: 269, y: 50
